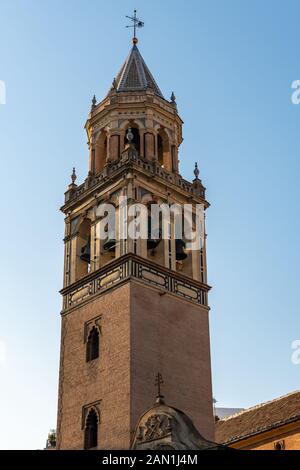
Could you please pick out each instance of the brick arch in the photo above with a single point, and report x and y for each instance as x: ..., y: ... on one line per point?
x: 92, y: 420
x: 126, y: 123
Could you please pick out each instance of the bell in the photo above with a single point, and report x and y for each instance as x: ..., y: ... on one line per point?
x: 152, y: 242
x: 180, y: 253
x: 109, y: 245
x: 86, y: 252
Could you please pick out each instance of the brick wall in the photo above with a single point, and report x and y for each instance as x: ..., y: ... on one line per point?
x: 142, y: 332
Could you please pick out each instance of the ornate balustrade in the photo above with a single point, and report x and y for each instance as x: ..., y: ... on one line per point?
x: 151, y: 167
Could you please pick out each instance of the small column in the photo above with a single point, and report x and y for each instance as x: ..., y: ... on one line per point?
x: 67, y: 251
x: 142, y: 145
x: 92, y: 157
x: 196, y: 265
x: 149, y: 145
x: 117, y: 233
x: 122, y: 139
x: 114, y: 147
x: 156, y: 146
x: 108, y: 158
x: 174, y: 156
x: 95, y: 248
x: 168, y: 163
x: 73, y: 256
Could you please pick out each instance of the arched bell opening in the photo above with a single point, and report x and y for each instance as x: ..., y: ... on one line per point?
x: 136, y: 140
x: 149, y: 145
x: 154, y: 229
x: 163, y: 149
x: 101, y: 152
x: 83, y: 254
x: 108, y: 245
x: 155, y: 242
x: 183, y: 254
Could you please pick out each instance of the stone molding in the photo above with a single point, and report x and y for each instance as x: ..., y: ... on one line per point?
x: 128, y: 267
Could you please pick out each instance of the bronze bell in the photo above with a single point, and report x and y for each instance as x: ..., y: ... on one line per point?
x: 180, y: 253
x: 152, y: 242
x: 109, y: 244
x: 86, y: 252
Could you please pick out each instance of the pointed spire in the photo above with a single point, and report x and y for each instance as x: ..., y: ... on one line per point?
x: 173, y: 100
x: 94, y: 101
x: 135, y: 75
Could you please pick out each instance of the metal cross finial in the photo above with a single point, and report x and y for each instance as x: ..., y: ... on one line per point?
x: 158, y: 382
x: 137, y: 23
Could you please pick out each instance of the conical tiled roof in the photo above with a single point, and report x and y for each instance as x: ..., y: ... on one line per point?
x: 135, y: 75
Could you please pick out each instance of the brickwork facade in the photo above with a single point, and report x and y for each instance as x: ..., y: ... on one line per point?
x: 141, y: 332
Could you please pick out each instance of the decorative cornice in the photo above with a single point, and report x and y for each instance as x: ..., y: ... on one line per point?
x: 128, y: 267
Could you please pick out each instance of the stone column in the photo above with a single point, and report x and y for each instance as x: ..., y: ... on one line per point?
x: 196, y: 265
x: 155, y: 147
x: 114, y: 147
x: 174, y: 156
x: 122, y: 138
x: 92, y: 156
x: 149, y: 145
x: 142, y: 137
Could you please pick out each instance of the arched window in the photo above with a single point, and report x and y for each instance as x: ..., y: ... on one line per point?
x: 92, y: 345
x: 91, y: 430
x: 163, y: 150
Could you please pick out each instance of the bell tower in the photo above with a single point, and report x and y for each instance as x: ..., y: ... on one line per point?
x: 131, y: 307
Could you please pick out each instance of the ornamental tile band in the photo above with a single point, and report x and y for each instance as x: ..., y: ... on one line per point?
x: 133, y: 267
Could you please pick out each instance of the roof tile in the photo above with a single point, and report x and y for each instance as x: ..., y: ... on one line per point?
x: 259, y: 418
x: 135, y: 75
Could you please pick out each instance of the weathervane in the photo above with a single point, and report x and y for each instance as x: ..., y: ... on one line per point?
x: 137, y: 23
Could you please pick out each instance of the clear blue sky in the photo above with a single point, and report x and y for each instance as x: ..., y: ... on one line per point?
x: 231, y: 64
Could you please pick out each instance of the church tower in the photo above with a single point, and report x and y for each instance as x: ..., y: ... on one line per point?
x: 131, y: 308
